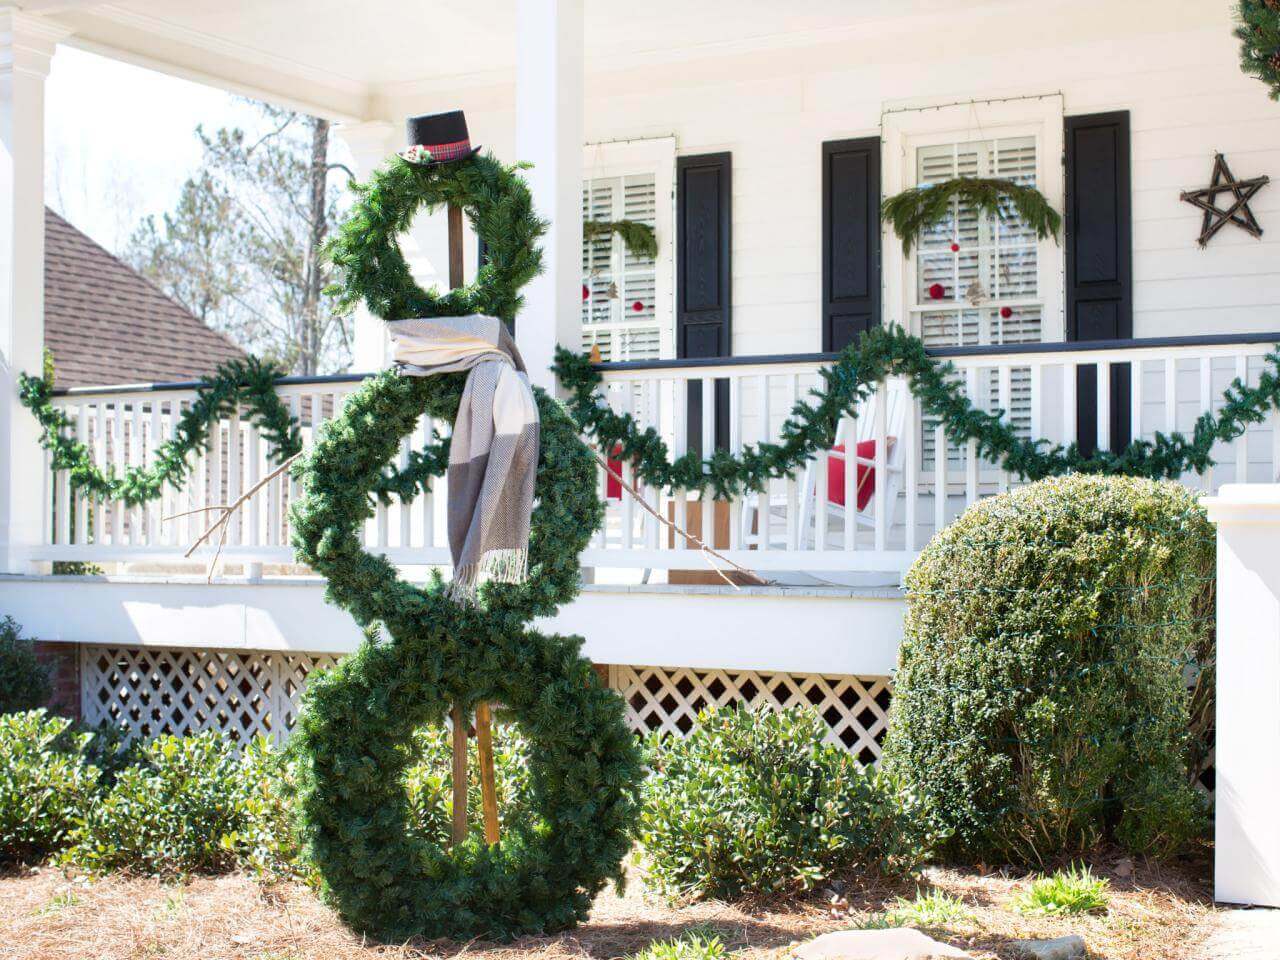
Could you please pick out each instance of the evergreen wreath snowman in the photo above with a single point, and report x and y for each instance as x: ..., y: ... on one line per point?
x: 353, y: 736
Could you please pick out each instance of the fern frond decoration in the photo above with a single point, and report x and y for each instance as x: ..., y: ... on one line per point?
x: 914, y: 211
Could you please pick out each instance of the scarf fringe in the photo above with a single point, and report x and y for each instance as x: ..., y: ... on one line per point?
x: 496, y: 566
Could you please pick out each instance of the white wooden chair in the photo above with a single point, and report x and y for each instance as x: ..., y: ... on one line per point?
x: 898, y: 398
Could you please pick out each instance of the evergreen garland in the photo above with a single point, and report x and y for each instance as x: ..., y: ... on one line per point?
x: 914, y: 211
x: 353, y: 740
x: 884, y: 352
x: 248, y: 383
x: 1258, y: 29
x: 638, y: 238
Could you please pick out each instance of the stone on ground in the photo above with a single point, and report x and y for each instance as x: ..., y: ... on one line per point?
x: 1060, y: 948
x: 896, y: 944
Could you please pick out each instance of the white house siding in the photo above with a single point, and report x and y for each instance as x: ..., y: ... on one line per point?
x: 1173, y: 65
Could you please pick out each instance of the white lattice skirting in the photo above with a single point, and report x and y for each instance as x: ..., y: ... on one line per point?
x: 669, y: 698
x: 150, y: 691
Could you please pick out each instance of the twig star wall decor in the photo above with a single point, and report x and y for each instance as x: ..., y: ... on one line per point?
x: 1237, y: 211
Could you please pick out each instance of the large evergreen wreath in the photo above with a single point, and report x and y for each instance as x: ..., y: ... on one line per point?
x: 1258, y: 29
x: 353, y: 738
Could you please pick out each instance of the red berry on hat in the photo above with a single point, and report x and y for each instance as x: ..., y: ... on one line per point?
x: 937, y: 291
x: 955, y: 248
x: 586, y: 294
x: 637, y: 306
x: 1006, y: 312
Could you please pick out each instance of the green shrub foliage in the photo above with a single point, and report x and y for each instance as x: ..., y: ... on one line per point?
x: 24, y: 680
x: 45, y: 784
x: 1041, y: 700
x: 199, y: 804
x: 757, y: 803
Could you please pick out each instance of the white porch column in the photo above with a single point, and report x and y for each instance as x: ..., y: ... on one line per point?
x: 26, y: 47
x: 549, y: 134
x: 1247, y: 759
x: 370, y: 143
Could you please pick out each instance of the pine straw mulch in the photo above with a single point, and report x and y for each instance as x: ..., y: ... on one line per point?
x: 1155, y: 913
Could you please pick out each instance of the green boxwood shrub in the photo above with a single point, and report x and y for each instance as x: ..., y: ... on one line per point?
x: 198, y: 804
x: 45, y: 784
x: 1041, y: 699
x: 756, y: 803
x: 24, y: 680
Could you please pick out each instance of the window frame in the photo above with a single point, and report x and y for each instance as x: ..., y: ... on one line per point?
x: 908, y: 129
x: 654, y: 157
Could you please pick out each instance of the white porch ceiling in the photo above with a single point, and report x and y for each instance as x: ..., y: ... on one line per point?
x: 337, y: 57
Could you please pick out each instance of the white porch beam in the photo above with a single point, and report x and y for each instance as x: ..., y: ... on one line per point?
x: 165, y: 45
x: 26, y: 47
x: 549, y: 134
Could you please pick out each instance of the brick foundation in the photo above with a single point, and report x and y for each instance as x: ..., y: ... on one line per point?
x: 64, y: 661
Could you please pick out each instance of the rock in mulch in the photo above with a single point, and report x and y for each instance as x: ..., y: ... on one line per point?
x: 897, y: 944
x: 1060, y: 948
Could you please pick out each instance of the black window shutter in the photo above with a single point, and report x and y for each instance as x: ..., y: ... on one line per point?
x: 850, y: 240
x: 1099, y: 261
x: 704, y: 278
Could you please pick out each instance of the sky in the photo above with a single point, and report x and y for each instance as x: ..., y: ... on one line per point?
x: 120, y: 140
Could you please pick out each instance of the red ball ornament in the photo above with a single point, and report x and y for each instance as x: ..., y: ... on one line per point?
x: 638, y: 307
x: 1006, y: 312
x: 955, y: 248
x: 937, y: 291
x: 586, y: 294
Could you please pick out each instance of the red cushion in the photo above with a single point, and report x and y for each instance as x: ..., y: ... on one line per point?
x: 865, y: 478
x: 612, y: 485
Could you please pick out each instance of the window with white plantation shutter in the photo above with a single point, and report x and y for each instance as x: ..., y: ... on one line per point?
x: 620, y: 310
x: 977, y: 275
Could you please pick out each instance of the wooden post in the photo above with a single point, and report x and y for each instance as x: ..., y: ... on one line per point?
x: 459, y: 720
x: 488, y: 789
x: 484, y: 732
x: 459, y: 776
x: 455, y: 246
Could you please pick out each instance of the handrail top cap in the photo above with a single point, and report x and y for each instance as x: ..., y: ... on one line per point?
x: 1244, y: 502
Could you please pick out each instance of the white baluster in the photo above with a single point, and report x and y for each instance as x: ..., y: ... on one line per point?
x: 1104, y: 405
x: 1242, y: 442
x: 882, y: 465
x: 1206, y: 406
x: 735, y: 447
x: 910, y: 464
x: 764, y: 510
x: 708, y: 448
x: 971, y: 447
x: 82, y: 502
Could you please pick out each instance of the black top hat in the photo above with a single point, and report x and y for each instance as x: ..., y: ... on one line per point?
x: 438, y: 138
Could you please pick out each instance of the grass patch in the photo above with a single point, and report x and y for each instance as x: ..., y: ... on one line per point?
x: 696, y: 943
x: 58, y: 902
x: 1075, y: 890
x: 934, y: 910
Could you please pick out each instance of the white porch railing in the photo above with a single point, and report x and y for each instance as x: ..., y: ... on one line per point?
x: 124, y: 427
x: 801, y: 523
x: 899, y: 492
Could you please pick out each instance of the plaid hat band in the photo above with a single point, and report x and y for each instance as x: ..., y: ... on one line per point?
x: 437, y: 152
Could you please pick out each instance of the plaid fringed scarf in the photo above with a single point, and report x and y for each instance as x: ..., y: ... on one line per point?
x: 493, y: 457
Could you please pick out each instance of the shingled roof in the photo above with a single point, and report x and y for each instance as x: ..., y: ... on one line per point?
x: 105, y: 323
